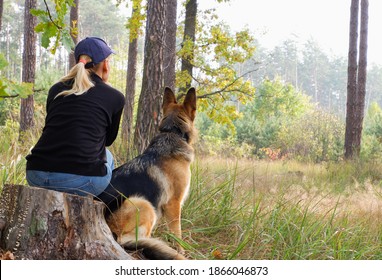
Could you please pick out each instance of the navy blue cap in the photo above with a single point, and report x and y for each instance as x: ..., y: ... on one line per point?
x: 94, y: 47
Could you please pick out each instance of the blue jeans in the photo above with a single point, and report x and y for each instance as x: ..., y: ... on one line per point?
x: 72, y: 183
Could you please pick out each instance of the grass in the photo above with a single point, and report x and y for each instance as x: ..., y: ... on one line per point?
x: 283, y: 210
x: 247, y: 209
x: 12, y: 155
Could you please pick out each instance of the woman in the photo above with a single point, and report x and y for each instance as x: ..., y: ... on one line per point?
x: 83, y: 116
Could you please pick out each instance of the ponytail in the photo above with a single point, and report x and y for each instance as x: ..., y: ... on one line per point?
x: 81, y: 77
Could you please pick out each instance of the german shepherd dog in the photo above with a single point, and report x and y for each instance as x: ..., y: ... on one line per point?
x: 155, y: 183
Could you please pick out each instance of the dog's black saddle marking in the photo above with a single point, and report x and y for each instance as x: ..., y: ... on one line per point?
x: 128, y: 180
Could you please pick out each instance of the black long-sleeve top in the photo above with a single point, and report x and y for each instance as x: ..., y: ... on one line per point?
x: 77, y: 129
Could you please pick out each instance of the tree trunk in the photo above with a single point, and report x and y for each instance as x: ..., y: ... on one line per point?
x: 356, y: 80
x: 169, y: 59
x: 150, y: 99
x: 1, y: 13
x: 361, y: 78
x: 73, y: 19
x: 352, y: 80
x: 37, y: 223
x: 128, y: 112
x: 189, y: 41
x: 29, y: 65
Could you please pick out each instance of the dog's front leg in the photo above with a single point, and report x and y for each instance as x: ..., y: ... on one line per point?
x: 172, y: 213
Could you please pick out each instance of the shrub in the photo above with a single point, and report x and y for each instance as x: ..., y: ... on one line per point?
x: 372, y: 133
x: 316, y: 136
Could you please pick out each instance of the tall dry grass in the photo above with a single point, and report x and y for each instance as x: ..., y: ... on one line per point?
x: 283, y: 210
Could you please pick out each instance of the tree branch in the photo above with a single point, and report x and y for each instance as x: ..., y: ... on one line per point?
x: 50, y: 16
x: 224, y: 89
x: 10, y: 96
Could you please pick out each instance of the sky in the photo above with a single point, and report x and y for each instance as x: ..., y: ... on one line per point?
x: 325, y: 21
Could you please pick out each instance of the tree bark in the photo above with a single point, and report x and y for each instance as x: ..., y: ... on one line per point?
x: 361, y: 76
x: 352, y: 80
x: 169, y: 60
x: 39, y: 224
x: 29, y: 65
x: 73, y: 18
x: 150, y: 99
x: 1, y: 13
x: 189, y: 40
x: 356, y: 80
x: 128, y: 112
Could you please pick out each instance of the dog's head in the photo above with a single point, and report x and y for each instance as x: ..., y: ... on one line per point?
x: 179, y: 118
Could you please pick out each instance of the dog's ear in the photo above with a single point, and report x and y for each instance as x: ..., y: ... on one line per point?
x: 168, y: 98
x: 190, y: 103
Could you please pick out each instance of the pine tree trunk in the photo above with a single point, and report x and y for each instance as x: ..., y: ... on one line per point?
x: 170, y: 48
x: 361, y: 76
x: 1, y: 13
x: 29, y: 65
x: 128, y: 112
x: 189, y: 38
x: 42, y: 224
x: 150, y: 99
x: 73, y: 18
x: 356, y: 80
x: 352, y: 80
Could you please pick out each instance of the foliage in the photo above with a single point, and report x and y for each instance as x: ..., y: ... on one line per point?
x: 54, y: 27
x: 217, y: 50
x: 279, y: 123
x: 135, y: 22
x: 275, y: 104
x: 9, y: 88
x: 11, y: 38
x: 258, y: 134
x: 256, y: 130
x: 372, y: 134
x: 306, y: 66
x: 219, y: 139
x: 315, y: 136
x: 275, y: 98
x: 374, y: 85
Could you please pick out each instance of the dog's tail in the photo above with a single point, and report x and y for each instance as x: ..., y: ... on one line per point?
x: 153, y: 249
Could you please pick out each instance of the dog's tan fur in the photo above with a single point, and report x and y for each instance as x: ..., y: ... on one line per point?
x: 135, y: 219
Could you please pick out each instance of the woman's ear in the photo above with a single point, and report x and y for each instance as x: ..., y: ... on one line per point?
x: 105, y: 70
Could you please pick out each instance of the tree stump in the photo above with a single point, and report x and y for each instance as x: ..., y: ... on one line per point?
x: 36, y: 223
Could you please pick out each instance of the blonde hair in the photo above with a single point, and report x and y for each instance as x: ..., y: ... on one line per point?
x: 81, y: 77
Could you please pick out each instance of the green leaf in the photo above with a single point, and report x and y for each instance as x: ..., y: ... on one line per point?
x: 40, y: 27
x: 38, y: 13
x: 67, y: 41
x: 53, y: 26
x: 3, y: 92
x: 23, y: 90
x: 49, y: 32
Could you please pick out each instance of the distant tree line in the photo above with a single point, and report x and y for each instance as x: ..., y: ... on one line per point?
x: 309, y: 69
